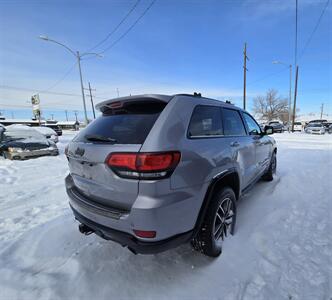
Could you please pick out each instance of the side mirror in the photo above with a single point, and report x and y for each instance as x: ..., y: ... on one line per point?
x: 268, y: 130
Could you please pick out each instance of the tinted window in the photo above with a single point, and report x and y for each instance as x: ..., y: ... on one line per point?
x: 205, y: 121
x: 252, y: 125
x: 129, y: 125
x: 232, y: 123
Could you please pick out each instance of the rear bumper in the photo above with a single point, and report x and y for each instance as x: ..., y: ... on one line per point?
x: 116, y: 225
x: 127, y: 240
x: 315, y: 132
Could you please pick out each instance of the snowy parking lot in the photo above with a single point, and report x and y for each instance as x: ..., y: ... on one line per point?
x: 282, y: 247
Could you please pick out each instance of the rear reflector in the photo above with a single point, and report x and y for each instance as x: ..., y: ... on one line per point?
x: 145, y: 234
x: 144, y: 165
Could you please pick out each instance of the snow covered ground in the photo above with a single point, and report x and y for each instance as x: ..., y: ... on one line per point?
x: 282, y: 248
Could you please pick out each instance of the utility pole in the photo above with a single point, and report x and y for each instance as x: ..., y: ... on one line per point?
x: 117, y: 91
x: 52, y: 116
x: 295, y: 94
x: 290, y: 96
x: 295, y: 63
x: 245, y: 58
x: 12, y: 115
x: 93, y: 108
x: 321, y: 111
x: 75, y: 112
x: 66, y: 112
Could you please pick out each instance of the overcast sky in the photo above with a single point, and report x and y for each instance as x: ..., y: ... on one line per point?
x: 178, y: 46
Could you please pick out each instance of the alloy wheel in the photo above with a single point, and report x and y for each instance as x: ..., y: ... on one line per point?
x: 223, y: 219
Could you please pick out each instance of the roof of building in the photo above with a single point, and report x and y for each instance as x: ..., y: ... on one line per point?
x: 20, y: 121
x: 67, y: 123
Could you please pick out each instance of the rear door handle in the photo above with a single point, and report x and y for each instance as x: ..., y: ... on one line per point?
x: 235, y: 144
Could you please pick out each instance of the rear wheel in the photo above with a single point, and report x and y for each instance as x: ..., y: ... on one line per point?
x: 218, y: 223
x: 268, y: 176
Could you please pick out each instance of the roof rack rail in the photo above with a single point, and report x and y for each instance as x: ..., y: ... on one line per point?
x: 190, y: 95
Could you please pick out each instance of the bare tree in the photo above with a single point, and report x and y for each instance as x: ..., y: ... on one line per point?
x: 271, y: 106
x: 284, y: 117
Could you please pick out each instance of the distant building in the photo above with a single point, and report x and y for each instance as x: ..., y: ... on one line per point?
x: 28, y: 122
x: 68, y: 125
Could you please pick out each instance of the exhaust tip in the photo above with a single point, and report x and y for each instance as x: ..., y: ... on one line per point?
x: 85, y: 229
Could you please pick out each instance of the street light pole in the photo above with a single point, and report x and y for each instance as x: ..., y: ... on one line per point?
x: 82, y: 88
x: 79, y: 58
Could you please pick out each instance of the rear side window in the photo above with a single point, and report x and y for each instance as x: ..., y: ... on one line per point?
x: 233, y: 125
x: 205, y: 122
x: 128, y: 125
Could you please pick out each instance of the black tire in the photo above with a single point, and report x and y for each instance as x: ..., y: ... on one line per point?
x: 268, y: 176
x: 206, y: 240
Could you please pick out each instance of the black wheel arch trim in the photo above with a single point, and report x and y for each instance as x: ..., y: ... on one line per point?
x: 209, y: 195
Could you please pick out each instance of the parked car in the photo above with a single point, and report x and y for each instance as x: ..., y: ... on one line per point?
x: 21, y: 143
x: 318, y: 121
x: 49, y: 133
x: 277, y: 126
x: 155, y: 171
x: 330, y: 129
x: 55, y: 127
x: 297, y: 126
x: 327, y: 125
x: 315, y: 128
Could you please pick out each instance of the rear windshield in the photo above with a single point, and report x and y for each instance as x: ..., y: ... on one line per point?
x: 15, y: 135
x: 128, y: 125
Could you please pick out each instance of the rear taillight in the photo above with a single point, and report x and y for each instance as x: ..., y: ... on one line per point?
x: 144, y: 165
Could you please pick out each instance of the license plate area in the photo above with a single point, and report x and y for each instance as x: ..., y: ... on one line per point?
x: 81, y: 168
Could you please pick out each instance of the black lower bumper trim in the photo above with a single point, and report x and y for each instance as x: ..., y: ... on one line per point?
x: 130, y: 241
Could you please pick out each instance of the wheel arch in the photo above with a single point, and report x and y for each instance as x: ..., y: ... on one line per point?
x: 231, y: 179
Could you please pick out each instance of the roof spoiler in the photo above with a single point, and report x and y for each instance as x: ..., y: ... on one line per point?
x: 121, y: 101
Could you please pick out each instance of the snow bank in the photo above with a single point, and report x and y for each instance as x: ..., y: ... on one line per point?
x: 281, y: 249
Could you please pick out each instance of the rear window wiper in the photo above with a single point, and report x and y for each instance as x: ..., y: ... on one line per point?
x: 99, y: 138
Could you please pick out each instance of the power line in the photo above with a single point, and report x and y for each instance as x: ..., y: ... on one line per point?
x: 58, y: 81
x: 116, y: 27
x: 267, y: 76
x: 129, y: 29
x: 15, y: 105
x: 315, y: 28
x: 15, y: 88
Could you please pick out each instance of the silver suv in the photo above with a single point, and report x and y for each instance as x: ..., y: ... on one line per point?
x: 156, y: 171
